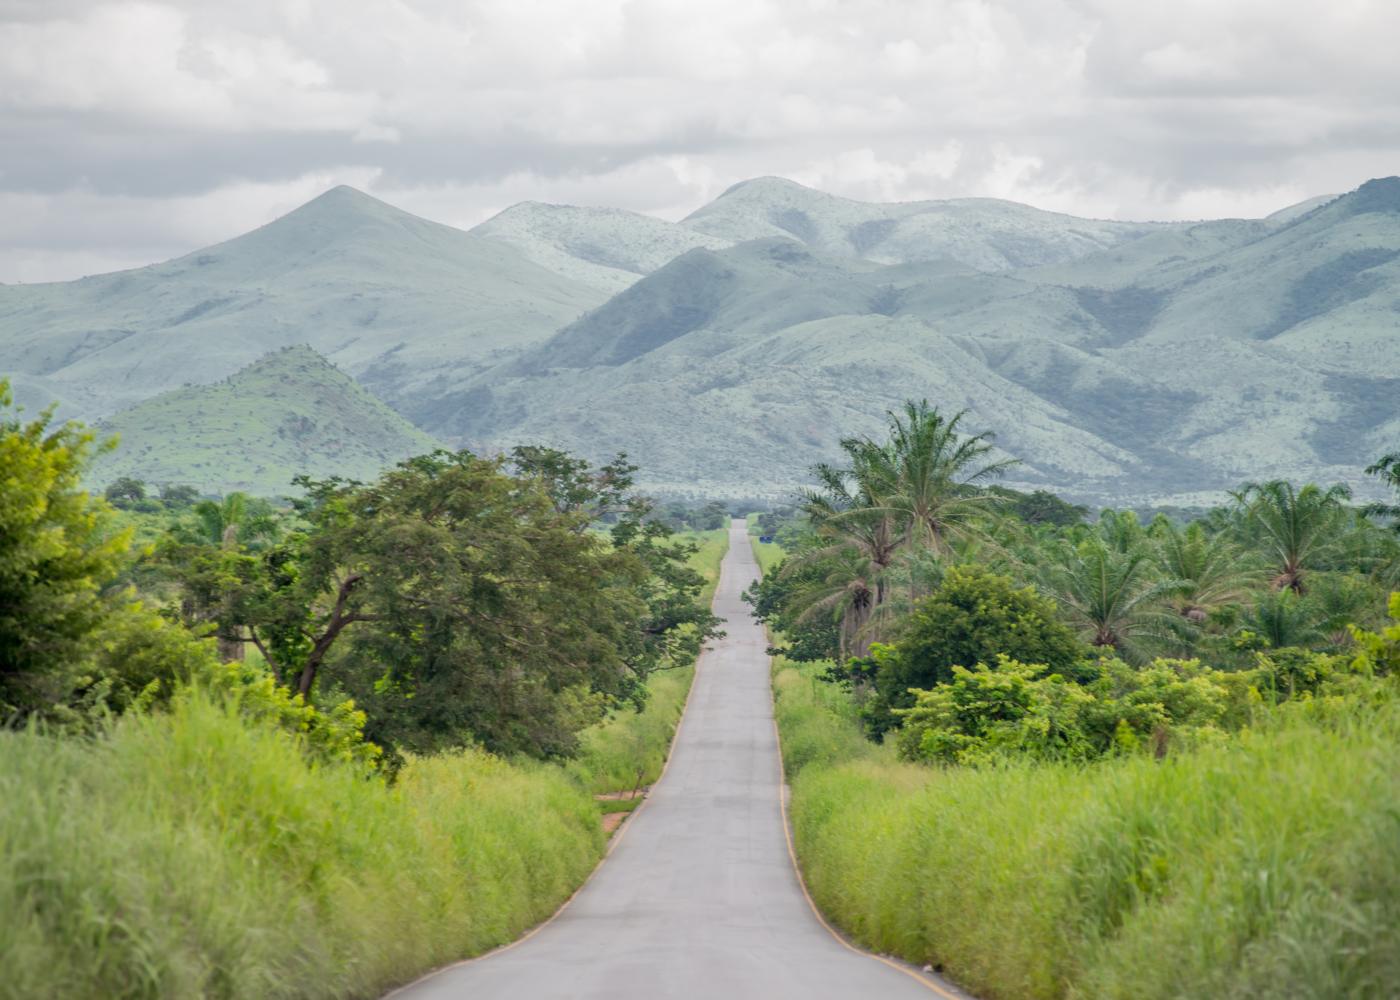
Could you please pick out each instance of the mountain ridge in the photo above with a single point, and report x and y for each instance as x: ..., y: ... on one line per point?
x: 1120, y: 359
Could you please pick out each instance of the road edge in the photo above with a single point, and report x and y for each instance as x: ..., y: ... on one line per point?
x: 613, y: 841
x: 938, y: 986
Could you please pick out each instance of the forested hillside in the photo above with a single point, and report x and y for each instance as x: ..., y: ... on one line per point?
x: 291, y: 413
x: 1120, y: 361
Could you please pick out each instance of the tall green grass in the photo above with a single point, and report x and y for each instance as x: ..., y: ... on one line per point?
x: 193, y: 855
x: 629, y: 750
x: 1268, y: 867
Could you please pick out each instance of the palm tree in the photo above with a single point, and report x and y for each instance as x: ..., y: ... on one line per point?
x: 1340, y: 600
x: 1210, y: 571
x: 1296, y: 527
x: 929, y: 475
x: 1111, y: 597
x: 917, y: 490
x: 847, y: 592
x: 238, y: 518
x: 1120, y: 530
x: 1283, y: 618
x: 861, y: 545
x: 1387, y: 468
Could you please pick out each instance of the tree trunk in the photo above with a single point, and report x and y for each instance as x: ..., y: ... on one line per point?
x: 339, y: 619
x: 230, y: 638
x: 230, y: 649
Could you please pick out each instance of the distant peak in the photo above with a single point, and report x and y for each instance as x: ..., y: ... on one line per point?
x: 528, y: 209
x: 294, y: 354
x: 1379, y: 195
x: 341, y: 212
x: 757, y: 185
x: 343, y: 195
x: 346, y: 191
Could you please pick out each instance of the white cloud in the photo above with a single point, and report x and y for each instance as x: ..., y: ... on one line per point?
x: 220, y: 111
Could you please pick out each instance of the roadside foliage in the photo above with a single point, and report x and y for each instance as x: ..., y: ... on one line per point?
x: 262, y: 749
x: 1054, y: 757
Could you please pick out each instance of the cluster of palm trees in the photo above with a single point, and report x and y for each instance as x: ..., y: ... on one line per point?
x: 892, y: 515
x: 1280, y: 564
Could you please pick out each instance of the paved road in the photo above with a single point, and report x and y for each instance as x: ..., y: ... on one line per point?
x: 699, y: 899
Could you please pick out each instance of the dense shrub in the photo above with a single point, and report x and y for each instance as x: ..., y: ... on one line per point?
x: 973, y: 617
x: 196, y: 853
x: 1264, y: 865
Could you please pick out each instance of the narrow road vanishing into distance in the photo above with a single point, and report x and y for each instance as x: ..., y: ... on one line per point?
x: 699, y: 898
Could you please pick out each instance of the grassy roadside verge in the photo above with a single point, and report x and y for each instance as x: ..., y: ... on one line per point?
x: 192, y: 854
x: 768, y: 554
x: 1266, y: 866
x: 628, y: 751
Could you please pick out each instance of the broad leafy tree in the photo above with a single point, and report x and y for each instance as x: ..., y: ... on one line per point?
x: 973, y: 617
x: 458, y: 603
x: 125, y: 491
x: 58, y: 548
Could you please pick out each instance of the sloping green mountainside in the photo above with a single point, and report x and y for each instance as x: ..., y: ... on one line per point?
x: 1183, y: 361
x: 289, y: 413
x: 1122, y: 361
x: 389, y: 297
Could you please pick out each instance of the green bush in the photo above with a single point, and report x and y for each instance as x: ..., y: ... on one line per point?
x: 1268, y: 865
x: 1014, y: 710
x: 973, y: 617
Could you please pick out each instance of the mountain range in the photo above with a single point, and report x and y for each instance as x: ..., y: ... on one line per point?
x: 729, y: 351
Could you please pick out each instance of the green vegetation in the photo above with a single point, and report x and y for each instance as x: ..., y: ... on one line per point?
x: 1045, y: 326
x: 56, y: 548
x: 290, y: 413
x: 1260, y: 867
x: 197, y: 808
x: 1118, y: 759
x: 627, y: 751
x: 768, y: 554
x: 1387, y: 469
x: 973, y: 617
x: 189, y: 853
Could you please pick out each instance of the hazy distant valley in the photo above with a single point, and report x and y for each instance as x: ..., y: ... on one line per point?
x: 727, y: 352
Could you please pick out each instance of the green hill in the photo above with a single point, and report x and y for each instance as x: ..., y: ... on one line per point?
x: 1171, y: 366
x: 1125, y: 362
x: 288, y: 413
x: 387, y: 296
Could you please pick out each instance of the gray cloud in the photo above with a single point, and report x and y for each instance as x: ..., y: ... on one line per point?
x: 138, y: 129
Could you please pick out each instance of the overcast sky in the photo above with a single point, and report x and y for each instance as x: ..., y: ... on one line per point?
x: 135, y: 131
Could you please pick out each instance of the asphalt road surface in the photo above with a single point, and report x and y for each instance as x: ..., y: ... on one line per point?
x: 699, y: 898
